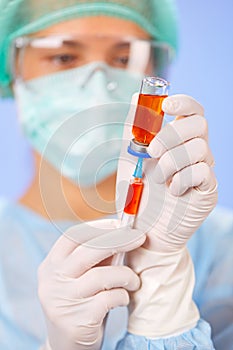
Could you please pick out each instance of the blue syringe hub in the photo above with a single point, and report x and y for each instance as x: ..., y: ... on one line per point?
x: 138, y: 170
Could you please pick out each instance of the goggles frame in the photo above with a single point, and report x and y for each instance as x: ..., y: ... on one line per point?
x: 55, y: 41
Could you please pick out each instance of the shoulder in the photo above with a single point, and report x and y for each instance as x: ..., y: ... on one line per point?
x: 213, y: 237
x: 217, y: 227
x: 13, y: 218
x: 21, y: 227
x: 211, y: 250
x: 10, y: 210
x: 6, y: 206
x: 219, y: 222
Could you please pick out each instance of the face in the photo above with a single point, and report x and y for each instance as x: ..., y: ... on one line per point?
x: 46, y: 104
x: 90, y: 39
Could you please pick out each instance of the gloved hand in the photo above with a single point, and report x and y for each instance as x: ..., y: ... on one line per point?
x: 179, y: 193
x: 75, y: 292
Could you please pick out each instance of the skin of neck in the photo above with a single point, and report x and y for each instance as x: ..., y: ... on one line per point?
x: 55, y: 197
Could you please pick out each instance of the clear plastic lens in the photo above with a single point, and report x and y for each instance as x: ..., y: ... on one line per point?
x: 35, y: 57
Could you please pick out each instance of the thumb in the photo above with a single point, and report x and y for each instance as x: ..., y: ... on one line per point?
x: 182, y: 105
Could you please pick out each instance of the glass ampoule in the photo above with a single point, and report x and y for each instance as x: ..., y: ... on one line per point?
x: 149, y: 115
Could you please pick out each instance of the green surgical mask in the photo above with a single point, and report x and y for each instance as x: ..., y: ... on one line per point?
x: 75, y: 118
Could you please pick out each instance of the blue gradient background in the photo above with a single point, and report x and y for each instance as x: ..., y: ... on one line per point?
x: 203, y: 69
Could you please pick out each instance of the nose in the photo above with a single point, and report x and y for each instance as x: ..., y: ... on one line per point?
x: 100, y: 70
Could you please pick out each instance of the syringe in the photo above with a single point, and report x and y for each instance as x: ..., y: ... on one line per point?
x: 131, y: 205
x: 133, y: 196
x: 147, y: 123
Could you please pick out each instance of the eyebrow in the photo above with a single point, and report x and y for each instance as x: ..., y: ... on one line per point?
x: 72, y: 43
x: 121, y: 45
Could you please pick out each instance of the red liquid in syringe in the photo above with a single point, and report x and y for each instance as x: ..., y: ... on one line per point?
x: 133, y: 197
x: 148, y: 118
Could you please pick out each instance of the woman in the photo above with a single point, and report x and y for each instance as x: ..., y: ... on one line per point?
x: 72, y: 67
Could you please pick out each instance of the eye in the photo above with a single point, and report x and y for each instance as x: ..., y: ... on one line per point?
x: 64, y: 59
x: 120, y: 61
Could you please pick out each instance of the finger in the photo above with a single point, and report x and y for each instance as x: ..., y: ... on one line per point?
x: 61, y: 249
x: 110, y: 299
x: 92, y: 252
x: 180, y: 157
x: 176, y: 133
x: 199, y: 175
x: 79, y: 234
x: 104, y: 278
x: 182, y: 105
x: 89, y: 230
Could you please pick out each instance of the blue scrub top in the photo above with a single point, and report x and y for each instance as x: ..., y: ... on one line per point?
x: 25, y: 240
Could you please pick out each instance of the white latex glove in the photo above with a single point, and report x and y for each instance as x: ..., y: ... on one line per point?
x: 179, y: 193
x: 75, y: 292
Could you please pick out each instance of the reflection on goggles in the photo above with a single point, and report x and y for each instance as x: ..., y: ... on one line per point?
x: 34, y: 57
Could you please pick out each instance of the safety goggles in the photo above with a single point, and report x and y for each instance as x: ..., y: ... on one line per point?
x: 34, y: 57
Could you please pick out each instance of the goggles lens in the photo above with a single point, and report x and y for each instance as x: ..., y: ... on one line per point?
x: 40, y: 56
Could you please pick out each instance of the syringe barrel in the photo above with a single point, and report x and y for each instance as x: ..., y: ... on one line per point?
x: 133, y: 196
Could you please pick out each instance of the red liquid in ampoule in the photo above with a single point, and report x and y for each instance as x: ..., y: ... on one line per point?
x: 148, y: 118
x: 133, y: 197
